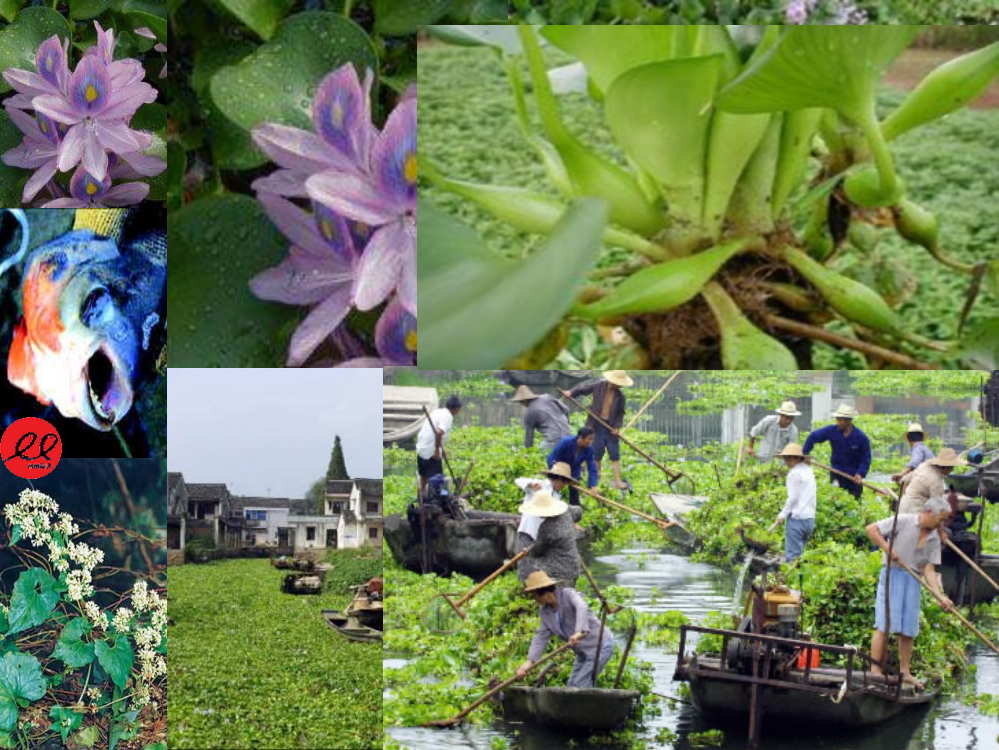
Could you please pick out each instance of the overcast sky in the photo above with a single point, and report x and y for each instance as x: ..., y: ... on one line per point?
x: 270, y: 432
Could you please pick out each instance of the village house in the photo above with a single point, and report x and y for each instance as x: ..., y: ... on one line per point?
x: 176, y: 518
x: 361, y: 520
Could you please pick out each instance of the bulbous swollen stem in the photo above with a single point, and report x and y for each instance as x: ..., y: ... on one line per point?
x: 883, y: 160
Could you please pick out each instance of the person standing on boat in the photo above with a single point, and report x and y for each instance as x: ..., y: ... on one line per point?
x: 431, y: 439
x: 799, y: 510
x: 851, y: 449
x: 918, y: 452
x: 548, y: 526
x: 575, y: 451
x: 917, y: 545
x: 608, y: 403
x: 774, y: 432
x: 546, y: 414
x: 565, y: 615
x: 929, y: 480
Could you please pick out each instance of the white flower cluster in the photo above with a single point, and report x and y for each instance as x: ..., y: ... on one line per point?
x: 95, y: 615
x: 40, y: 520
x: 148, y: 639
x: 5, y: 609
x: 122, y: 620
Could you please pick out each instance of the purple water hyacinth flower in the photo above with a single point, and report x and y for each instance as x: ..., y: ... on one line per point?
x: 88, y: 192
x: 395, y: 338
x: 384, y: 198
x: 318, y: 271
x: 39, y: 150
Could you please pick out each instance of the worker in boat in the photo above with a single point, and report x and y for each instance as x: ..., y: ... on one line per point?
x: 608, y: 403
x: 546, y: 414
x: 918, y: 452
x: 565, y: 615
x: 851, y: 449
x: 929, y: 480
x: 774, y: 431
x: 917, y: 545
x: 799, y: 511
x: 431, y: 439
x: 577, y: 450
x: 548, y: 525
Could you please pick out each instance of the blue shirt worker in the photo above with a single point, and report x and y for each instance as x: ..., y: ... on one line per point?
x: 851, y: 449
x: 575, y: 451
x: 918, y: 452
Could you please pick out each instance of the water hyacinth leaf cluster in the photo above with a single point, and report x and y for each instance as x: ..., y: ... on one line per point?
x: 755, y: 134
x: 324, y: 112
x: 81, y: 118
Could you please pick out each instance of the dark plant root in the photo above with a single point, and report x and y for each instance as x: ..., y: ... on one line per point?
x: 688, y: 337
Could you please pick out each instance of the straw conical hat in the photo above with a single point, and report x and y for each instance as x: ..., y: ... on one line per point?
x: 524, y: 393
x: 562, y: 469
x: 789, y: 409
x: 544, y: 505
x: 619, y: 378
x: 948, y: 457
x: 792, y: 449
x: 538, y: 580
x: 845, y: 411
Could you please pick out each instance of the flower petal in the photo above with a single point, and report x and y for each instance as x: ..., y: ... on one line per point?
x: 95, y: 158
x: 126, y: 194
x: 300, y: 279
x: 83, y: 186
x: 351, y: 195
x: 125, y: 72
x: 50, y: 61
x: 142, y: 165
x: 341, y: 113
x: 282, y: 182
x: 296, y: 149
x: 124, y: 102
x: 116, y: 136
x: 370, y: 363
x: 377, y: 273
x: 58, y: 108
x: 38, y: 180
x: 27, y: 82
x: 318, y: 326
x: 395, y: 335
x: 146, y: 32
x: 393, y: 160
x: 295, y: 224
x: 65, y: 203
x: 408, y: 273
x: 90, y: 86
x: 335, y: 232
x: 71, y: 149
x: 25, y: 123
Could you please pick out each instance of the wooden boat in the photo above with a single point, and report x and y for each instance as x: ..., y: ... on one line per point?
x: 949, y: 574
x: 300, y: 583
x: 573, y: 710
x: 402, y: 411
x: 286, y: 563
x: 718, y: 696
x: 474, y: 547
x: 350, y: 627
x: 366, y: 610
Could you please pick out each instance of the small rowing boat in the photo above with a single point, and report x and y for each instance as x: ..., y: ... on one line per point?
x: 350, y: 627
x: 573, y: 710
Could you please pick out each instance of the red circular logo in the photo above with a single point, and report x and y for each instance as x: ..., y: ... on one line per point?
x: 31, y: 448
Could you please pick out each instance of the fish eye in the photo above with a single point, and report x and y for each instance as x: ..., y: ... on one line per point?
x: 95, y: 305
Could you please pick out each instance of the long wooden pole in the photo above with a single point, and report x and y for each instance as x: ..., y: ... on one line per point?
x: 658, y: 521
x: 506, y: 683
x: 598, y: 592
x: 488, y: 579
x: 738, y: 461
x: 649, y: 402
x: 958, y: 615
x: 971, y: 562
x: 868, y: 485
x: 669, y: 472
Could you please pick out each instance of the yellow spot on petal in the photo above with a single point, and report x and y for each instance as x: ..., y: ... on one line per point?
x: 327, y: 229
x: 90, y: 93
x: 43, y: 126
x: 411, y: 341
x: 48, y: 63
x: 363, y: 229
x: 337, y: 115
x: 91, y: 188
x: 411, y: 169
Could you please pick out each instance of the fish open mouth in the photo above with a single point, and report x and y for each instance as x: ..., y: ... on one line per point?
x: 110, y: 397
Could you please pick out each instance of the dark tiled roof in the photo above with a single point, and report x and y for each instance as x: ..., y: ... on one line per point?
x: 239, y: 503
x: 370, y: 486
x: 339, y: 486
x: 206, y: 491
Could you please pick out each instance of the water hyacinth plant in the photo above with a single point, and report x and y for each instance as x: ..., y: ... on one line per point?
x: 79, y: 122
x: 750, y: 164
x: 358, y: 246
x: 93, y: 669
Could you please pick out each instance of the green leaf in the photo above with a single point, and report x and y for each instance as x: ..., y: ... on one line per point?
x: 151, y: 13
x: 401, y: 17
x: 20, y: 40
x: 85, y: 737
x: 666, y: 134
x: 116, y: 659
x: 484, y: 309
x: 35, y: 596
x: 504, y: 38
x: 152, y: 118
x: 609, y: 51
x: 277, y: 82
x: 261, y: 16
x: 220, y: 243
x: 10, y: 8
x: 64, y: 720
x: 837, y: 67
x: 20, y: 681
x: 15, y: 534
x: 980, y: 346
x: 82, y: 10
x: 71, y: 648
